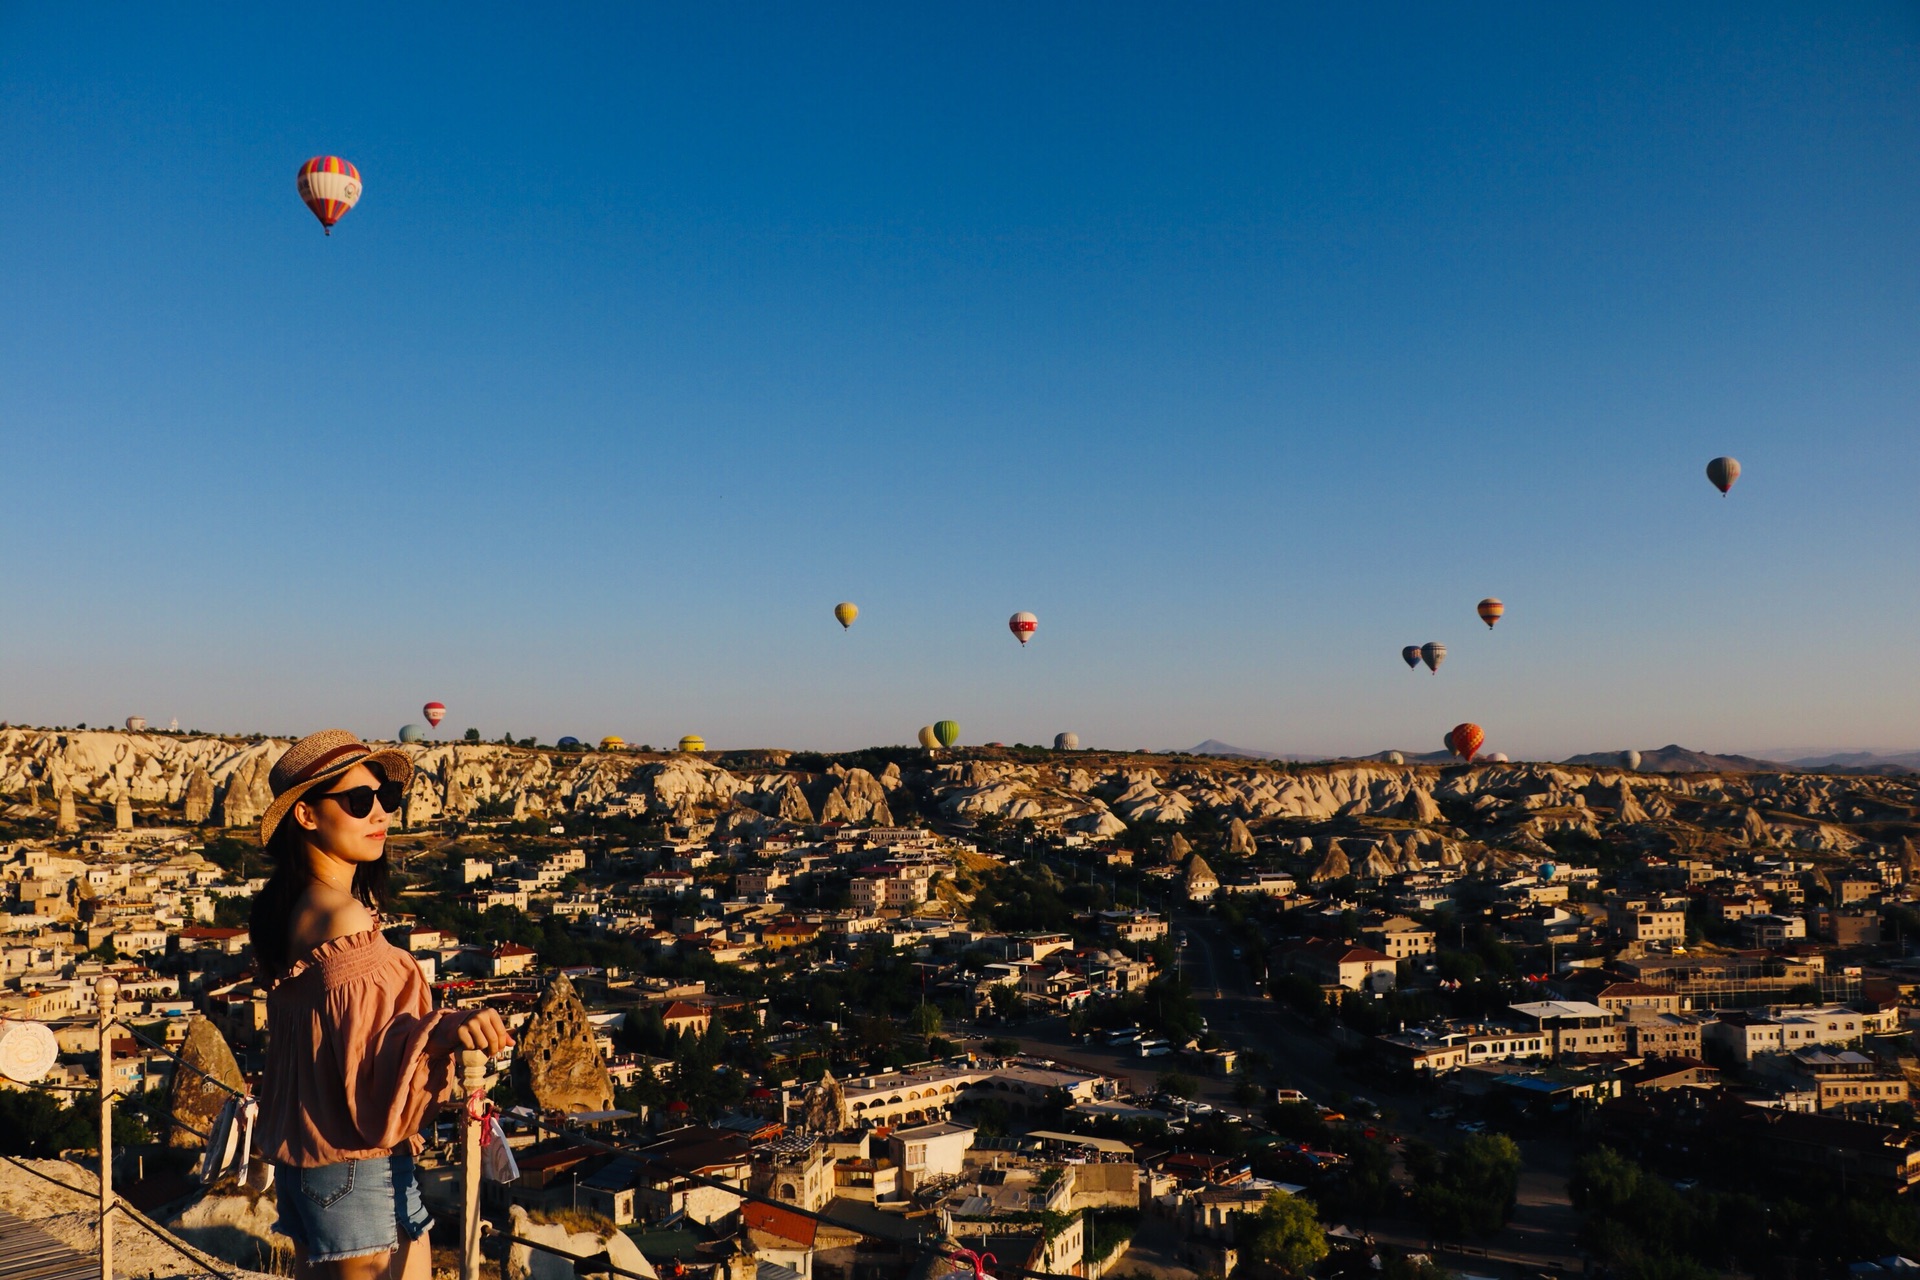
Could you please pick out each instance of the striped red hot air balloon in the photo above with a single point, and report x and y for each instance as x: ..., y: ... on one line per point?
x: 435, y: 712
x: 1491, y: 611
x: 330, y: 186
x: 1023, y: 624
x: 1465, y: 741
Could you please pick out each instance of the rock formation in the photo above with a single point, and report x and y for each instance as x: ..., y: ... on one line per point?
x: 1420, y: 807
x: 194, y: 1101
x: 123, y: 812
x: 1333, y: 867
x: 197, y: 805
x: 247, y: 794
x: 1239, y: 839
x: 527, y: 1263
x: 1200, y: 881
x: 557, y: 1058
x: 823, y: 1108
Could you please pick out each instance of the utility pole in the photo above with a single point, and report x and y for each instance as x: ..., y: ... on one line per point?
x: 106, y: 993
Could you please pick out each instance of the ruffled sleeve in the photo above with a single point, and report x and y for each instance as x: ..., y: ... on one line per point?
x: 380, y: 1025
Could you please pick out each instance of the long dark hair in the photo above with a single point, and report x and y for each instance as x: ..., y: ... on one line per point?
x: 273, y: 905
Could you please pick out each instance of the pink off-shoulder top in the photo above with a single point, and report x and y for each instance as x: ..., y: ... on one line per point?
x: 349, y: 1075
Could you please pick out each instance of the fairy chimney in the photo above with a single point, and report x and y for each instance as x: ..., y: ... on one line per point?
x: 557, y: 1058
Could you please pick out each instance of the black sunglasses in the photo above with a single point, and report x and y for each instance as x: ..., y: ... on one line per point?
x: 358, y: 801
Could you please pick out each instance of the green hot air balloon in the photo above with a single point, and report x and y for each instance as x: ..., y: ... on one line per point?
x: 947, y: 731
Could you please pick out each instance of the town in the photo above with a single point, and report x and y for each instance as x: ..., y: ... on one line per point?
x: 783, y: 1015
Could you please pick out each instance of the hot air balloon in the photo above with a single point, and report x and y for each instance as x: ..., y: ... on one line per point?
x: 435, y: 712
x: 1723, y: 472
x: 1548, y: 871
x: 1499, y: 757
x: 1022, y: 624
x: 613, y: 742
x: 330, y: 186
x: 846, y: 611
x: 1433, y: 653
x: 693, y: 742
x: 928, y: 738
x: 568, y: 743
x: 1630, y: 760
x: 947, y: 731
x: 1465, y: 741
x: 1411, y: 655
x: 136, y: 724
x: 1448, y: 743
x: 1394, y: 757
x: 1066, y: 742
x: 412, y: 733
x: 1490, y: 610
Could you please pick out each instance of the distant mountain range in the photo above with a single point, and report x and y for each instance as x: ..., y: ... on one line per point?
x: 1215, y: 747
x: 1672, y: 758
x: 1861, y: 762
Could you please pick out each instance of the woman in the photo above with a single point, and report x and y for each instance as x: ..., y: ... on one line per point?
x: 356, y: 1053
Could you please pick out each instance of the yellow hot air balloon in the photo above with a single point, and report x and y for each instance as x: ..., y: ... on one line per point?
x: 613, y: 742
x: 693, y: 742
x: 846, y: 611
x: 928, y: 738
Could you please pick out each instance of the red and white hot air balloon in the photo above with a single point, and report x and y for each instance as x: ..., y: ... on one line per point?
x: 1023, y: 625
x: 435, y: 712
x: 330, y: 186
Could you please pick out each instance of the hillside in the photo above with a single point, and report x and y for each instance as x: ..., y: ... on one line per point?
x: 1325, y: 820
x: 1674, y: 758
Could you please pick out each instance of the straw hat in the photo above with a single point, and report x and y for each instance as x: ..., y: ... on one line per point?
x: 321, y: 757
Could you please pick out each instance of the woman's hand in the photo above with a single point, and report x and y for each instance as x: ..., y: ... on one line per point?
x: 474, y: 1029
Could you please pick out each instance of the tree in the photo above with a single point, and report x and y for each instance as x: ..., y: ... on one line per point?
x: 926, y: 1020
x: 1476, y: 1186
x: 1285, y: 1234
x: 473, y: 735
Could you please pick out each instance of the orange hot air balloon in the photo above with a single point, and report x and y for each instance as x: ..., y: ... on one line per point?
x: 435, y: 712
x: 330, y: 186
x: 1491, y: 611
x: 1466, y: 741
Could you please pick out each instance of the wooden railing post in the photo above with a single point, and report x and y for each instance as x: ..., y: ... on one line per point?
x: 473, y: 1079
x: 106, y: 993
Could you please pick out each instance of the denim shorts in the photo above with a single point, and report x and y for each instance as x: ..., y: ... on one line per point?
x: 351, y: 1209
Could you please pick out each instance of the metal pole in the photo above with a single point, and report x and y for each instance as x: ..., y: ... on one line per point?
x: 106, y: 993
x: 473, y: 1079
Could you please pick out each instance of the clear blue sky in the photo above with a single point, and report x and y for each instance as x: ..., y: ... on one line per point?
x: 1243, y: 345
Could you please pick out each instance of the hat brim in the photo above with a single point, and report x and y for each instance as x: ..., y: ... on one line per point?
x: 394, y: 766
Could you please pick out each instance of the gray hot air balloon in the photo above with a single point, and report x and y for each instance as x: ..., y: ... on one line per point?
x: 1411, y: 655
x: 1066, y: 742
x: 1433, y: 653
x: 1630, y: 760
x: 1394, y: 757
x: 412, y: 733
x: 1723, y: 472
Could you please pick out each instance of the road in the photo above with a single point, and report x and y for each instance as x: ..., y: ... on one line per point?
x: 1542, y: 1237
